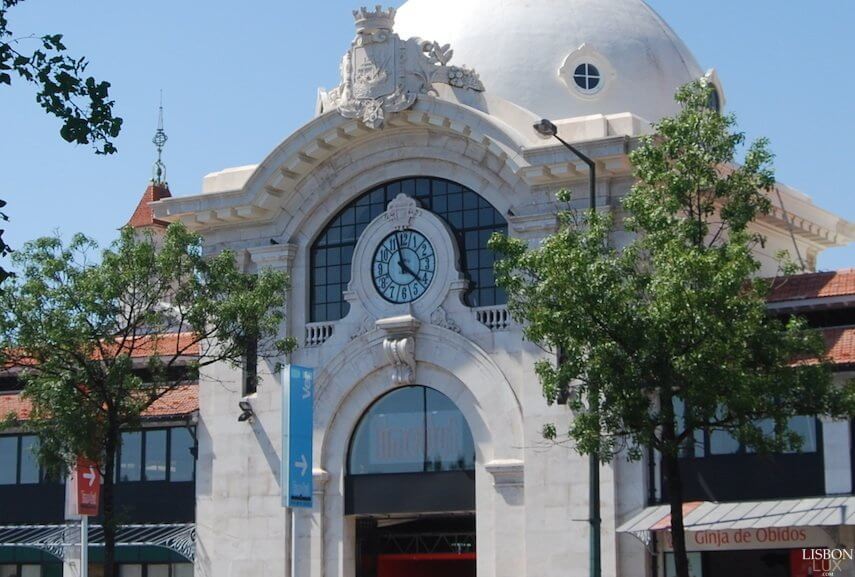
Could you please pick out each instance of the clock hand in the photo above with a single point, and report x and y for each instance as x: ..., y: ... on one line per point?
x: 407, y: 269
x: 401, y: 262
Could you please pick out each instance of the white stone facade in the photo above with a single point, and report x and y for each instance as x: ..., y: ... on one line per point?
x: 531, y: 498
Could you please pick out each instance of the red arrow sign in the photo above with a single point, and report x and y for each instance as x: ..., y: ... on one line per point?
x: 88, y: 479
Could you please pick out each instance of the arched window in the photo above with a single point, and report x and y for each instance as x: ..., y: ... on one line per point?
x: 471, y: 218
x: 412, y: 451
x: 411, y: 430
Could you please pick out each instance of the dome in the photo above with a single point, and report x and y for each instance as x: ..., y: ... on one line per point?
x: 561, y: 58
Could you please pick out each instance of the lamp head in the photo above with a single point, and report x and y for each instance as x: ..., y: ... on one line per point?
x: 546, y: 128
x: 246, y: 411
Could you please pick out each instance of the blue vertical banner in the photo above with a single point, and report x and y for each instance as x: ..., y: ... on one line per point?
x: 298, y: 393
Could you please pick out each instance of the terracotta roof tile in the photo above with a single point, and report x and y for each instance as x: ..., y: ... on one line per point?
x: 180, y: 401
x: 143, y: 215
x: 840, y: 344
x: 165, y: 345
x: 813, y: 285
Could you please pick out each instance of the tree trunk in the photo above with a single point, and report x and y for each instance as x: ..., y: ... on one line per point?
x: 674, y: 486
x: 108, y: 518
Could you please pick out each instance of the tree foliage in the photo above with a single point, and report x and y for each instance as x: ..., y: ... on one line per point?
x: 4, y: 248
x: 81, y: 102
x: 99, y: 341
x: 671, y: 331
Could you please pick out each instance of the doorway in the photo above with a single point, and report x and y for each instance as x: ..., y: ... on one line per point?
x: 421, y: 546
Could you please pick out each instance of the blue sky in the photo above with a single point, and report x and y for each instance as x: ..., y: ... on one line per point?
x: 238, y: 77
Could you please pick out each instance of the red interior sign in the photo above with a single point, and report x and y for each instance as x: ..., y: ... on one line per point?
x: 88, y: 479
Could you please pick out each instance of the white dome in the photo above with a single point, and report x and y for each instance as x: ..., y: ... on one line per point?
x: 527, y: 51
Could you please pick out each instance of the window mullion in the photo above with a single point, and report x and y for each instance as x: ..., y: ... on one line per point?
x: 20, y: 448
x: 168, y: 452
x: 143, y: 436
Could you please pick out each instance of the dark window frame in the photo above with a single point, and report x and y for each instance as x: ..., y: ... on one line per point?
x: 587, y: 77
x: 706, y: 450
x: 19, y: 457
x: 168, y: 458
x: 144, y: 565
x: 463, y: 214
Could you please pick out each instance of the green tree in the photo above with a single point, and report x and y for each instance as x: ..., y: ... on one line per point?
x: 81, y: 102
x: 79, y: 329
x: 4, y: 248
x: 670, y: 334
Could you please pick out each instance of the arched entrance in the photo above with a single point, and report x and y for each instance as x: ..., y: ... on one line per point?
x: 410, y: 483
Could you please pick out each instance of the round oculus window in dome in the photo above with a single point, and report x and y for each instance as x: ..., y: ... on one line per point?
x: 587, y: 78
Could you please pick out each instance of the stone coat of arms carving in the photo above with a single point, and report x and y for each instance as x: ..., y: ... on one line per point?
x: 382, y: 74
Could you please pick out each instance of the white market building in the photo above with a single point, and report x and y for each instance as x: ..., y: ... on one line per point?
x: 428, y: 414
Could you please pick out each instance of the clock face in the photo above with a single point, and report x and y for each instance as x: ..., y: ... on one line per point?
x: 403, y: 266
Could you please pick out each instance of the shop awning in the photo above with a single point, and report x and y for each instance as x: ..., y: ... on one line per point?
x: 708, y: 516
x: 55, y: 539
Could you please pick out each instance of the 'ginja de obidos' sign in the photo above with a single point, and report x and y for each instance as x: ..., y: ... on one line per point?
x: 765, y: 538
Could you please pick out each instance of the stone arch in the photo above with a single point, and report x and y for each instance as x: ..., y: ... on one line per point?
x: 396, y: 154
x: 359, y: 374
x: 452, y: 365
x: 409, y: 153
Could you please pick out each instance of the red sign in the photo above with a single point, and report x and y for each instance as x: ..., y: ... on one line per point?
x: 88, y: 480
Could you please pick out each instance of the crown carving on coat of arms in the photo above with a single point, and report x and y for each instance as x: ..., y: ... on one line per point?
x: 378, y: 19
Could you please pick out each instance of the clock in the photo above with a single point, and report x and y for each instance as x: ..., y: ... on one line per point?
x: 403, y: 266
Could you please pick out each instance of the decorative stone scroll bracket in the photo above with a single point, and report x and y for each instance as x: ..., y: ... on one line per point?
x: 400, y: 347
x: 506, y: 472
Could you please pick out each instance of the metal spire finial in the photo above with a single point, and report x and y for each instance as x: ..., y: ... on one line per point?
x: 159, y: 140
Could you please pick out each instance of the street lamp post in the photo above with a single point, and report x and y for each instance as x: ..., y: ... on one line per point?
x: 547, y: 128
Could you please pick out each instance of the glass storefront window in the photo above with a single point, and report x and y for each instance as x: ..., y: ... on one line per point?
x: 130, y: 570
x: 20, y: 571
x: 182, y: 570
x: 157, y: 571
x: 806, y: 428
x: 411, y: 430
x: 447, y: 435
x: 181, y: 458
x: 29, y: 460
x: 723, y: 443
x: 8, y: 464
x: 131, y: 460
x: 155, y: 455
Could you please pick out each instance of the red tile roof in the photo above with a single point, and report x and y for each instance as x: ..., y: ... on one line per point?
x: 813, y: 285
x: 840, y: 343
x: 180, y: 401
x: 167, y: 345
x: 164, y: 345
x: 144, y: 216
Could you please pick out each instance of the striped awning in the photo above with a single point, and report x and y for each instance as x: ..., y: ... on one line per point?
x: 708, y: 516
